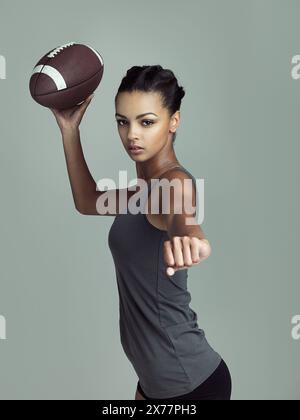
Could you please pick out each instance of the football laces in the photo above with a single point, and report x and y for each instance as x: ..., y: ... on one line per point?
x: 59, y: 49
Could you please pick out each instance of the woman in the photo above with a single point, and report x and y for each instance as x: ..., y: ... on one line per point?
x: 152, y: 252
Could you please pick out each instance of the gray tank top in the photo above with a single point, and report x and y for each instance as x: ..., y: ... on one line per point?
x: 158, y: 329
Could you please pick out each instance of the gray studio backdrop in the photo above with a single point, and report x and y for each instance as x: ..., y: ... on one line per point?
x: 239, y: 131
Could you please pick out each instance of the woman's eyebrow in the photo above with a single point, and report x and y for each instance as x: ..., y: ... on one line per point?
x: 138, y: 116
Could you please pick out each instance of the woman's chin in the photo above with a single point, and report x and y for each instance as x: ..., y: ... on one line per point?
x: 139, y: 157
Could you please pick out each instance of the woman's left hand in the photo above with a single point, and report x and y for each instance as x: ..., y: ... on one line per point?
x: 184, y: 251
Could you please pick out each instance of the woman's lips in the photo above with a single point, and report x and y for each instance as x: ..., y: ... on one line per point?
x: 134, y: 147
x: 135, y: 150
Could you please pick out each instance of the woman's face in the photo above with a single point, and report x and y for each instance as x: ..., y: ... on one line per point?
x: 137, y: 124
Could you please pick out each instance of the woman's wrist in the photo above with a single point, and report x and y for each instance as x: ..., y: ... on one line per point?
x: 70, y: 132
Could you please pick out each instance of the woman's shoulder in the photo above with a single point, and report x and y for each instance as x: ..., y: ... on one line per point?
x: 185, y: 188
x: 180, y: 173
x: 188, y: 187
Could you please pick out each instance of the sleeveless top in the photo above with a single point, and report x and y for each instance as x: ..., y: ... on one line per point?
x: 158, y: 329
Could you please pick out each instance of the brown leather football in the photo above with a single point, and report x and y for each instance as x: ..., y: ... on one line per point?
x: 66, y: 76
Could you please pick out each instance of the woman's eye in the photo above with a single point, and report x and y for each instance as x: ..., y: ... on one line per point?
x: 147, y: 121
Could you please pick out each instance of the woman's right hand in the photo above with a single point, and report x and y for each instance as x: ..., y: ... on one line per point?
x: 69, y: 119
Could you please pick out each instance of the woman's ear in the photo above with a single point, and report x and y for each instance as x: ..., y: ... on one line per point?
x: 175, y: 120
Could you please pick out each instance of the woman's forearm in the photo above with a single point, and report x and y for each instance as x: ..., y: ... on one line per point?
x: 83, y: 185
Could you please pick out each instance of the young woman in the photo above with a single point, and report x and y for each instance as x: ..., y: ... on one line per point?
x: 152, y: 252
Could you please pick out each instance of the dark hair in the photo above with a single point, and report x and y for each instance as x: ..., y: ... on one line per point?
x: 154, y: 79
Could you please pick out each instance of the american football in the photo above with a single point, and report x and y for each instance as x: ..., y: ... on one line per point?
x: 66, y: 76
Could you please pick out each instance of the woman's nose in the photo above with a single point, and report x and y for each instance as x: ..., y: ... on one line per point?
x: 133, y: 133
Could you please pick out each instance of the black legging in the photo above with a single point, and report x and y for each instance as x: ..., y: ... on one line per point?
x: 216, y: 387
